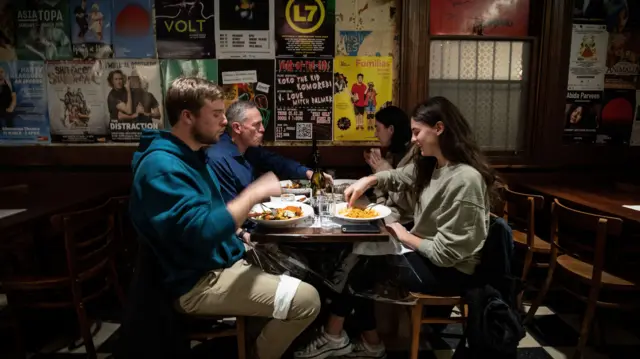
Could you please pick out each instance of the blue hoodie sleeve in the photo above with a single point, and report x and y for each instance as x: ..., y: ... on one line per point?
x: 265, y: 161
x: 176, y: 210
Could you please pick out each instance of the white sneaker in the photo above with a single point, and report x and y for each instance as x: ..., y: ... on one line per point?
x: 364, y: 351
x: 325, y: 346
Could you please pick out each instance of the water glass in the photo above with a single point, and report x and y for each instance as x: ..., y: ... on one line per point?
x: 288, y: 197
x: 326, y: 207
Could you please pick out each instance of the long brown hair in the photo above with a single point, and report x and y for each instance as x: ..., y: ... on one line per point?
x: 456, y: 143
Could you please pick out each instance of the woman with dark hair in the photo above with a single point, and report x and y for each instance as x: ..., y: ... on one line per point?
x: 393, y: 130
x: 454, y: 186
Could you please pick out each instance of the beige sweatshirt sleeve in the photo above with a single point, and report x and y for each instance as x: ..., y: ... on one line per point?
x: 397, y: 180
x: 461, y: 224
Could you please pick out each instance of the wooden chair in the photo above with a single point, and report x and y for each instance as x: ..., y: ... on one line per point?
x: 88, y: 244
x: 203, y: 328
x: 126, y: 244
x: 417, y: 320
x: 519, y: 212
x: 583, y: 237
x: 17, y: 189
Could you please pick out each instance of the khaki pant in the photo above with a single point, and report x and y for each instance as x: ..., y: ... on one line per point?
x: 246, y: 290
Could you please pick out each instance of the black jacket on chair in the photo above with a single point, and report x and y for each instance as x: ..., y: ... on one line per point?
x: 151, y: 328
x: 494, y: 327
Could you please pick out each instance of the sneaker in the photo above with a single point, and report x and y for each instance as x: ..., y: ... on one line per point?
x: 363, y: 351
x: 325, y: 346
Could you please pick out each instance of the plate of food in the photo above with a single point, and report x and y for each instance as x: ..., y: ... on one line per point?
x: 361, y: 213
x: 290, y: 197
x: 295, y: 186
x: 280, y: 214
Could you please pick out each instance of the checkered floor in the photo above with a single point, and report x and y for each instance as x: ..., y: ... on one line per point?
x: 552, y: 335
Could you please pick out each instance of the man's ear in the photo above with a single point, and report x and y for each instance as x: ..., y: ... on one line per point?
x: 236, y: 127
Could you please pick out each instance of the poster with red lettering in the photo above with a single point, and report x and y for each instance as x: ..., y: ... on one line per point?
x: 479, y: 17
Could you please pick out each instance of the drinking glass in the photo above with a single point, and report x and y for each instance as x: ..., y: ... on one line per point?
x: 288, y: 197
x: 326, y: 207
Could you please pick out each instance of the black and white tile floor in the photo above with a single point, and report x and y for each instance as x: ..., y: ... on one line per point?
x: 552, y: 335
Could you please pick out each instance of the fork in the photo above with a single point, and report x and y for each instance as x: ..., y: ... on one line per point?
x: 272, y: 210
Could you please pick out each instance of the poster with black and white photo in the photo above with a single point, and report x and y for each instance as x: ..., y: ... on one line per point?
x: 582, y: 112
x: 304, y: 98
x: 133, y: 97
x: 305, y: 28
x: 588, y: 58
x: 617, y: 117
x: 185, y: 29
x: 244, y: 29
x: 250, y: 80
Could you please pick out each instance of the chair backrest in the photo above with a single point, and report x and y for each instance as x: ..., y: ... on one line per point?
x: 88, y: 237
x: 520, y: 208
x: 18, y: 188
x: 583, y: 235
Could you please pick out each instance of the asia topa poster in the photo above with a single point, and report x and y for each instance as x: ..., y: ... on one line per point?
x: 362, y: 86
x: 250, y: 80
x: 42, y: 30
x: 23, y: 103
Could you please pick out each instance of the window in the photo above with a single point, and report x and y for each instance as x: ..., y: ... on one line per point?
x: 488, y: 81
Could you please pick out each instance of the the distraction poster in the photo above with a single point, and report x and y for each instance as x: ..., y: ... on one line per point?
x: 250, y: 80
x: 305, y: 28
x: 362, y: 86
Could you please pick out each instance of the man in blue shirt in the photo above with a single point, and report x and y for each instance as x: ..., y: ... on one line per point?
x: 238, y: 155
x: 178, y: 211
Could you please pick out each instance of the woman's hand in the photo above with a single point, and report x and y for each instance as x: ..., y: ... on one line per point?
x: 376, y: 162
x: 397, y: 231
x: 356, y: 190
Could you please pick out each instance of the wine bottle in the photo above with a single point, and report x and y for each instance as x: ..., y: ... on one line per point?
x: 318, y: 182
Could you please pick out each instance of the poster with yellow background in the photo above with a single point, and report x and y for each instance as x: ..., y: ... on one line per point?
x: 362, y: 86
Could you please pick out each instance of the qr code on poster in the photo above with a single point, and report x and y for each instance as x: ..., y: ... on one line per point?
x: 304, y: 131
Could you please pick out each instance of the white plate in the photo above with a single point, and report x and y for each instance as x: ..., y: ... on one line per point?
x: 307, y: 211
x: 383, y: 212
x: 298, y: 199
x: 304, y: 190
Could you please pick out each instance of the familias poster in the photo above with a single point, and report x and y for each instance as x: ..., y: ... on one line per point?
x: 42, y: 30
x: 304, y: 99
x: 185, y: 29
x: 244, y: 29
x: 305, y: 28
x: 133, y: 96
x: 23, y: 103
x: 77, y: 111
x: 91, y: 29
x: 362, y: 86
x: 479, y: 17
x: 250, y: 80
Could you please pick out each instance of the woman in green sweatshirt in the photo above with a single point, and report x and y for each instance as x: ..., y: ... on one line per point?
x: 453, y: 185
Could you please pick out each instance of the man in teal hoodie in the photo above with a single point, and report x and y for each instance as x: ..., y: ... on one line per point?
x: 178, y: 211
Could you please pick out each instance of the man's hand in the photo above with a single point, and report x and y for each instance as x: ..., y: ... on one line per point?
x: 326, y: 176
x: 265, y: 186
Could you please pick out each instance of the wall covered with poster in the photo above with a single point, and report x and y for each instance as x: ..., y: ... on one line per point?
x: 97, y: 71
x: 604, y: 71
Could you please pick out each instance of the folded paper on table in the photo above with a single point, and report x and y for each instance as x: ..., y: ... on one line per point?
x: 633, y: 207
